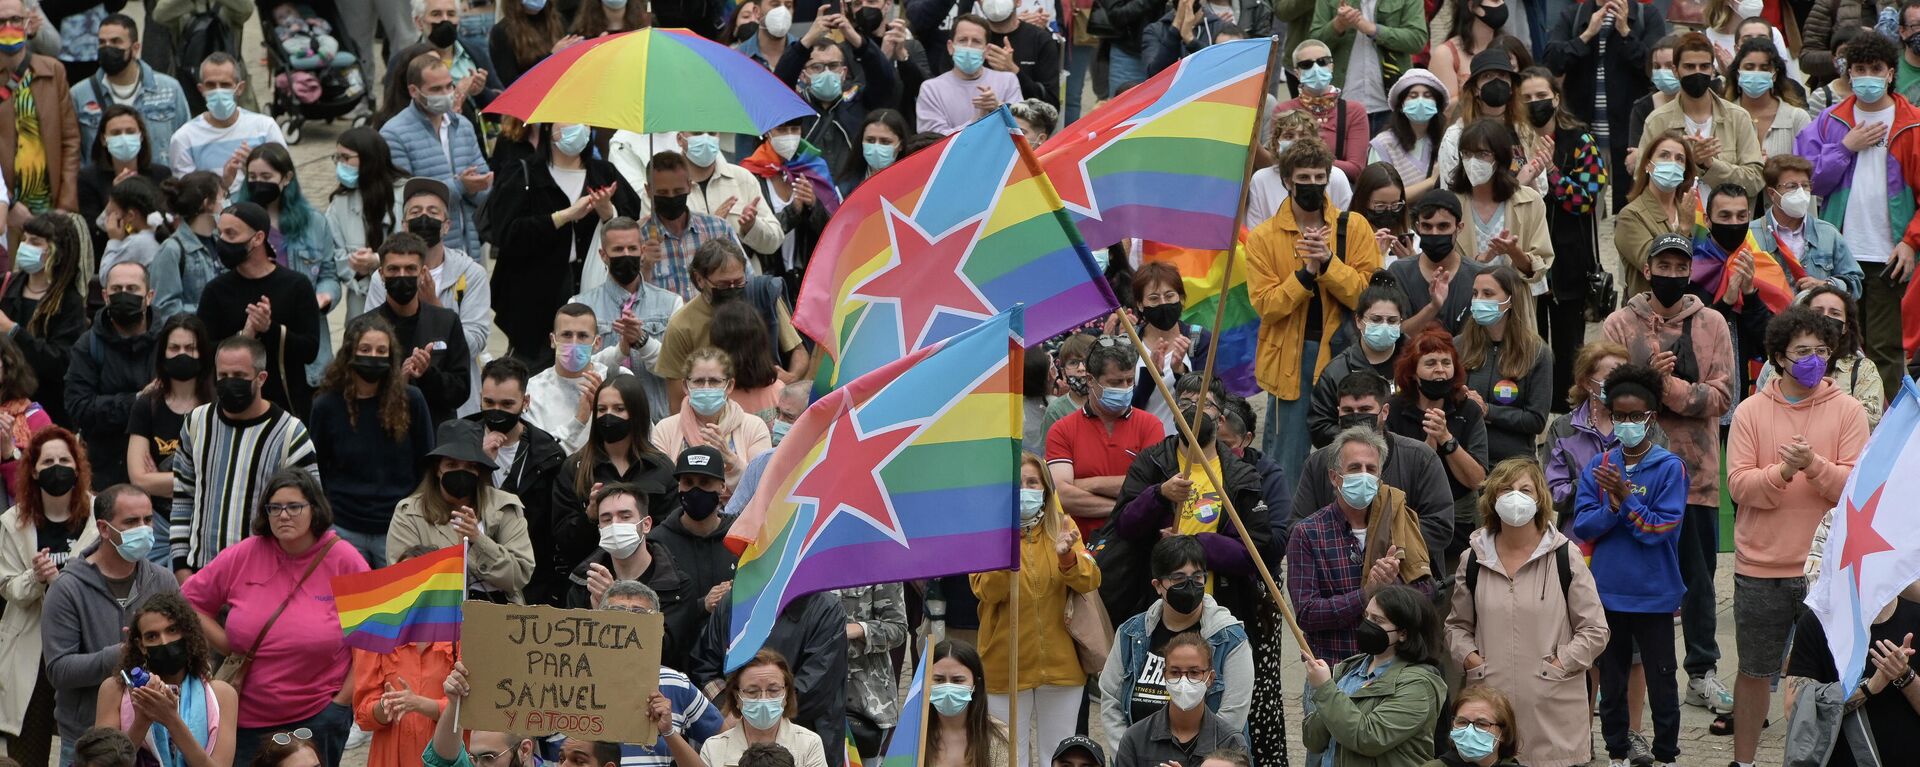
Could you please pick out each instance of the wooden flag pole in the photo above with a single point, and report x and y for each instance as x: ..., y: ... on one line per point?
x: 1226, y: 498
x: 925, y: 672
x: 1013, y: 666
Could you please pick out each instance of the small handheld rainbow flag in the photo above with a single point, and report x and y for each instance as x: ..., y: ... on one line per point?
x: 415, y: 601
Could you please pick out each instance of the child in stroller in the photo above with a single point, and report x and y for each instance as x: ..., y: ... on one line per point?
x: 316, y: 56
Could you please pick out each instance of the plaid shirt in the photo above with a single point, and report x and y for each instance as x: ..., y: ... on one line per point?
x: 671, y: 271
x: 1325, y: 573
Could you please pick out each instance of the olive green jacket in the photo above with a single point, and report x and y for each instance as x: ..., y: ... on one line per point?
x: 1387, y: 723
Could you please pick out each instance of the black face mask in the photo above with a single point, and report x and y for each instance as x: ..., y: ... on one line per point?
x: 610, y: 428
x: 1186, y: 597
x: 234, y: 394
x: 181, y: 367
x: 263, y: 193
x: 58, y: 480
x: 170, y: 658
x: 1495, y: 18
x: 1728, y: 236
x: 1371, y: 639
x: 1541, y: 112
x: 126, y: 308
x: 1368, y: 421
x: 1163, y: 316
x: 443, y: 34
x: 459, y: 483
x: 1437, y: 246
x: 113, y: 61
x: 720, y: 296
x: 1667, y: 291
x: 746, y: 31
x: 1435, y: 390
x: 403, y: 289
x: 370, y: 368
x: 868, y: 21
x: 699, y: 504
x: 1496, y: 93
x: 1310, y: 197
x: 499, y: 421
x: 670, y: 206
x: 624, y: 269
x: 231, y: 254
x: 1697, y: 84
x: 1204, y: 428
x: 1383, y: 219
x: 427, y: 228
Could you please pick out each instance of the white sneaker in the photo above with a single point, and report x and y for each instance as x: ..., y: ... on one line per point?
x: 1617, y: 763
x: 358, y: 737
x: 1707, y: 692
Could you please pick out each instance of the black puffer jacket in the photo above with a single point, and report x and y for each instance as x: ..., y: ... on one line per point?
x: 105, y: 371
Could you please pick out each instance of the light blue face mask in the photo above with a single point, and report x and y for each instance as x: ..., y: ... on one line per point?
x: 1870, y: 88
x: 1316, y: 78
x: 969, y: 60
x: 220, y: 103
x: 348, y: 175
x: 134, y: 544
x: 1100, y: 259
x: 825, y: 86
x: 950, y: 699
x: 533, y: 6
x: 707, y: 401
x: 703, y: 150
x: 1668, y: 175
x: 1666, y: 81
x: 1756, y: 84
x: 1419, y: 108
x: 1631, y: 434
x: 1487, y: 311
x: 878, y: 156
x: 124, y: 147
x: 572, y: 140
x: 30, y: 258
x: 1380, y: 336
x: 780, y: 429
x: 1031, y: 499
x: 1116, y: 401
x: 1358, y: 489
x: 762, y: 713
x: 1472, y: 743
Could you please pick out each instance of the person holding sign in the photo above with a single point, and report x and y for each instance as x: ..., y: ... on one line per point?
x: 763, y: 695
x: 684, y: 717
x: 490, y: 748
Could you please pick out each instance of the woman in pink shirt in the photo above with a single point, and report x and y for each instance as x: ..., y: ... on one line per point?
x: 298, y: 677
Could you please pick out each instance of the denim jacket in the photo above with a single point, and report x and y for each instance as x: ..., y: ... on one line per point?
x: 1231, y: 693
x: 181, y: 269
x: 161, y: 101
x: 1825, y: 256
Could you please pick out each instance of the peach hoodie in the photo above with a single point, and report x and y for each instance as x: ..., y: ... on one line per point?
x: 1773, y: 526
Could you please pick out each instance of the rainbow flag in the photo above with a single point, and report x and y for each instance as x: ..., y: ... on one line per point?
x: 907, y: 472
x: 853, y: 751
x: 904, y: 750
x: 1202, y: 271
x: 1166, y: 160
x: 938, y: 242
x: 415, y: 601
x: 1774, y: 274
x: 807, y: 165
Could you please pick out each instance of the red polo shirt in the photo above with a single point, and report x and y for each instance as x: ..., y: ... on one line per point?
x: 1082, y: 440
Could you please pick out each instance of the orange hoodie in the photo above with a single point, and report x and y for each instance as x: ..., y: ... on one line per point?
x: 1773, y: 527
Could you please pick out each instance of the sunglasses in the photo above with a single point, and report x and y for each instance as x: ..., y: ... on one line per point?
x: 1323, y: 61
x: 287, y: 738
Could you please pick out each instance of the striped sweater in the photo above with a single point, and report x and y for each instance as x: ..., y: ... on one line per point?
x: 219, y: 471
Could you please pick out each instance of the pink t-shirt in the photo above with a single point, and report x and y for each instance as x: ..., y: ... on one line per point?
x: 302, y: 663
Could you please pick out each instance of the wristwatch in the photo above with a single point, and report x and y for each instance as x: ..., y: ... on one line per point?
x: 1902, y: 682
x: 1447, y: 447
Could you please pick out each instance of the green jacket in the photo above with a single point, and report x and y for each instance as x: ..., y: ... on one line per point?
x: 1402, y: 32
x: 1388, y: 723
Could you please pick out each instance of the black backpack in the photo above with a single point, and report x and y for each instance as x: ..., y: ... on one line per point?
x: 203, y: 34
x: 1561, y: 560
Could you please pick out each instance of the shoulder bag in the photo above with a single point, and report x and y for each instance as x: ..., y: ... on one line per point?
x: 233, y: 669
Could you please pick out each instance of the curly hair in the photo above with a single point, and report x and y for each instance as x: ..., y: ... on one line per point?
x: 173, y: 607
x: 1797, y: 321
x: 26, y: 482
x: 395, y: 418
x: 1631, y: 380
x: 17, y: 381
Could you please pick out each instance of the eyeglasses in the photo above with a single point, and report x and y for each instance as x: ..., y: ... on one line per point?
x: 635, y: 609
x: 487, y: 757
x: 739, y: 283
x: 1112, y: 342
x: 1323, y: 61
x: 758, y: 693
x: 1484, y: 724
x: 1177, y: 579
x: 707, y: 383
x: 1795, y: 187
x: 825, y: 66
x: 288, y: 510
x: 287, y: 738
x: 1800, y: 352
x: 13, y: 21
x: 1193, y: 674
x: 1640, y: 417
x: 346, y: 158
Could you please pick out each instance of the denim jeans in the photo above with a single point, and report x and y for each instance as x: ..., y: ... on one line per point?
x: 372, y: 546
x: 329, y: 728
x: 1699, y: 550
x: 1284, y: 439
x: 1124, y: 70
x: 1080, y: 60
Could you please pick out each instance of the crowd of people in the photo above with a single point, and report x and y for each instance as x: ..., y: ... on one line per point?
x: 189, y: 455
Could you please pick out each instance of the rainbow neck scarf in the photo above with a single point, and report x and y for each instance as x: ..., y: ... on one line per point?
x: 1774, y: 274
x: 807, y: 164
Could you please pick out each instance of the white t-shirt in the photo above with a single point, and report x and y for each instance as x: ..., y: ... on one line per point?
x: 1364, y: 85
x: 199, y: 145
x: 1868, y: 230
x: 1267, y: 193
x: 572, y: 183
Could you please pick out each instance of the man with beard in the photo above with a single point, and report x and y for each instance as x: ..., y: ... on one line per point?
x: 719, y: 271
x: 527, y: 459
x: 108, y: 367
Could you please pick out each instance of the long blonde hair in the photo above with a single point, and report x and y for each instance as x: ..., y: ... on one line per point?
x: 1052, y: 519
x: 1521, y: 348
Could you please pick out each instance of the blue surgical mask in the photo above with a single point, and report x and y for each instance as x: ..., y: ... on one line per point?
x: 878, y: 156
x: 1487, y: 311
x: 1631, y: 434
x: 1380, y: 336
x: 950, y: 699
x: 1031, y: 499
x: 707, y: 401
x: 124, y: 147
x: 1419, y: 108
x: 1668, y: 175
x: 1316, y: 78
x: 572, y: 140
x: 1666, y: 81
x: 30, y: 258
x: 1756, y: 84
x: 762, y: 713
x: 1870, y: 88
x: 969, y: 60
x: 1472, y: 743
x: 1100, y: 259
x: 702, y: 149
x: 780, y: 429
x: 1116, y: 401
x: 134, y: 544
x: 348, y: 175
x: 825, y: 86
x: 220, y: 103
x: 1359, y: 488
x: 533, y: 6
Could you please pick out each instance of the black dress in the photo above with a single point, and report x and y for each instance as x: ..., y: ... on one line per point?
x: 535, y: 272
x: 46, y: 342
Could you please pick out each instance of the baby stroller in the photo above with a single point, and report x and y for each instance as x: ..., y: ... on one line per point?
x: 313, y: 65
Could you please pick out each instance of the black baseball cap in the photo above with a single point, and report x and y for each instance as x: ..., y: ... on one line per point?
x: 1081, y: 742
x: 703, y: 461
x: 1670, y: 242
x: 251, y: 214
x: 1437, y: 199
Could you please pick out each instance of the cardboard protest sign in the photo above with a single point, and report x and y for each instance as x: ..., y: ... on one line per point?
x: 538, y: 669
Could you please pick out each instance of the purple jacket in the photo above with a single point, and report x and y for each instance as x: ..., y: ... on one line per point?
x: 1571, y: 444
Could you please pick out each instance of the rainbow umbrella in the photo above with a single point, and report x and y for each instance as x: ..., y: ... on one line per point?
x: 652, y: 81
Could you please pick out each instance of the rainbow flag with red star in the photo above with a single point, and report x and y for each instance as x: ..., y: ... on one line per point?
x: 939, y: 242
x: 1167, y: 159
x: 907, y: 472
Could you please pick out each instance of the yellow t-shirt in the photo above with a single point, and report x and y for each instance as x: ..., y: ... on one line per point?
x: 1203, y: 508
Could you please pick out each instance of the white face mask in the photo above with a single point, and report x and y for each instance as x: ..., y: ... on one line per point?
x: 786, y: 144
x: 1748, y: 9
x: 1478, y: 171
x: 1516, y: 508
x: 1186, y: 694
x: 620, y: 539
x: 996, y: 11
x: 778, y: 21
x: 1796, y: 203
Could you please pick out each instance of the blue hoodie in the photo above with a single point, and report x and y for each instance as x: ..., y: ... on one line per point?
x: 1636, y: 558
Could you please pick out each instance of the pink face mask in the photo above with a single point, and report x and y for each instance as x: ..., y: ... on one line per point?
x: 573, y: 358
